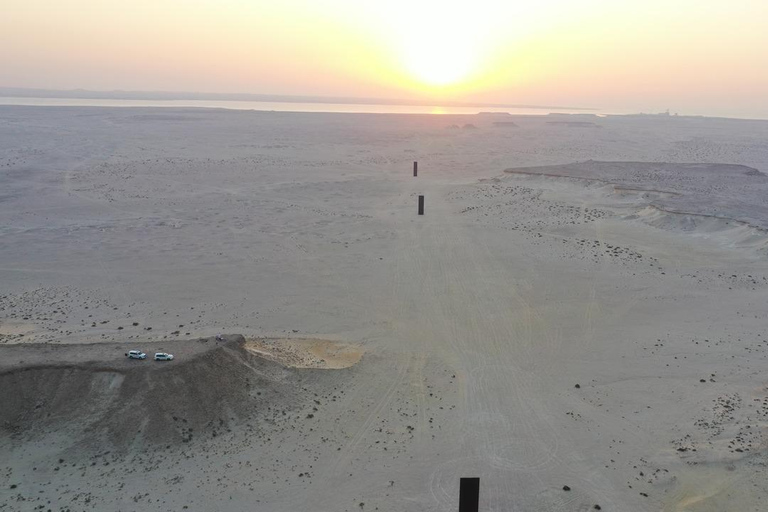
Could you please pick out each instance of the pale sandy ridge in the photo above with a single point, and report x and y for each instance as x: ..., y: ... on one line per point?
x: 307, y: 353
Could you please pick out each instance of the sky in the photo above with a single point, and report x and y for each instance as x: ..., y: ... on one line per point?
x: 691, y: 56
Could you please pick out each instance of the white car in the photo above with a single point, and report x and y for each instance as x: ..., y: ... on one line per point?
x: 136, y: 354
x: 162, y: 356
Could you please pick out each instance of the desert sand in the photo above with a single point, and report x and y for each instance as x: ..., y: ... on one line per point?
x: 579, y: 319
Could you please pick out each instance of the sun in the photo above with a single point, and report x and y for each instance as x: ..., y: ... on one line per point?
x: 439, y: 46
x: 438, y: 61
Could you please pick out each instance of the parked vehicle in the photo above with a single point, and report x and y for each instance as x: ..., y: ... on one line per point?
x: 162, y: 356
x: 136, y: 354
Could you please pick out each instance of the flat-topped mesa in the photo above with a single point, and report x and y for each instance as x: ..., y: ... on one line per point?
x: 106, y: 399
x: 731, y: 192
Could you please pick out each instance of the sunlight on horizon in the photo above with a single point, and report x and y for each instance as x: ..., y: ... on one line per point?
x: 595, y: 53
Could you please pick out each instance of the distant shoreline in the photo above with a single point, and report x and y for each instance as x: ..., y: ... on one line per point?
x: 82, y: 94
x: 315, y: 106
x: 274, y: 106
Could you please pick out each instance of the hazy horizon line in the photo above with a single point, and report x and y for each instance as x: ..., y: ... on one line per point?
x: 118, y: 94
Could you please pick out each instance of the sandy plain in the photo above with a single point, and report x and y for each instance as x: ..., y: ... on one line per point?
x: 583, y: 306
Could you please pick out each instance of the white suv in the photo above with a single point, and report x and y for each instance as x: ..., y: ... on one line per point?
x: 162, y: 356
x: 136, y: 354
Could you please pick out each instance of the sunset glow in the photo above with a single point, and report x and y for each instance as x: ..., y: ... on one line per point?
x: 550, y: 51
